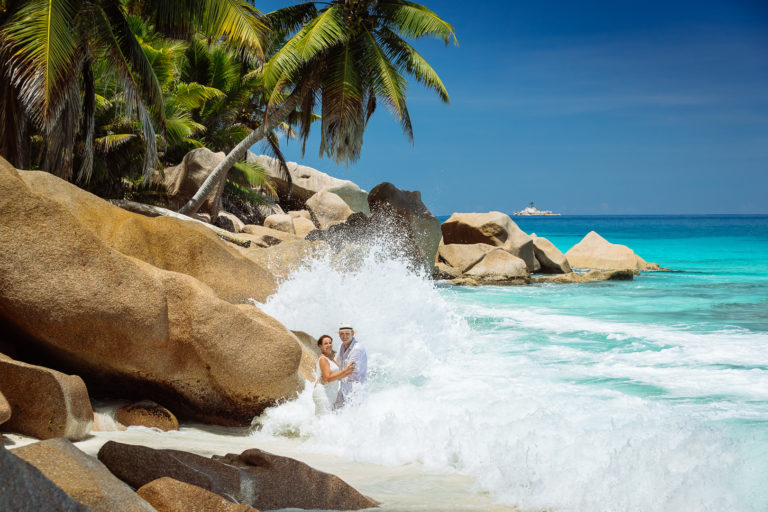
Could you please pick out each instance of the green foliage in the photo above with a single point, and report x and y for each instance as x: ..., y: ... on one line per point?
x: 352, y: 56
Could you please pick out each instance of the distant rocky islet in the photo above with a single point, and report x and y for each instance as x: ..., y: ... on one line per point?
x: 98, y: 301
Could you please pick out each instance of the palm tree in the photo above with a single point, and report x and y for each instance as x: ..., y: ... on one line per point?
x: 48, y: 49
x: 349, y: 55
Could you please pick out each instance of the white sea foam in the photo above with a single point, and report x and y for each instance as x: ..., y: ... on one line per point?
x: 485, y: 401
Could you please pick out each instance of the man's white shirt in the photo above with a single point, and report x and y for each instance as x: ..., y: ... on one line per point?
x: 353, y: 388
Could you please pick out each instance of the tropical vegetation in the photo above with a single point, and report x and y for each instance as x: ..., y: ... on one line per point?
x: 107, y: 91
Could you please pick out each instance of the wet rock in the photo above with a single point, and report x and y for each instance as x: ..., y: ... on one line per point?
x: 595, y: 252
x: 24, y: 488
x: 82, y: 477
x: 492, y: 228
x: 415, y: 228
x: 44, y: 403
x: 256, y: 478
x: 147, y: 414
x: 169, y: 495
x: 588, y: 277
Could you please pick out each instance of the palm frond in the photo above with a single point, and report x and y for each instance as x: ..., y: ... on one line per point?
x: 388, y: 83
x: 287, y: 20
x: 108, y: 143
x: 89, y: 120
x: 193, y: 95
x: 407, y: 58
x: 343, y: 121
x: 237, y: 21
x: 40, y: 41
x: 414, y: 20
x: 244, y: 193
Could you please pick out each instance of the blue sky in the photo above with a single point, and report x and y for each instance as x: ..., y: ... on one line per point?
x: 585, y: 108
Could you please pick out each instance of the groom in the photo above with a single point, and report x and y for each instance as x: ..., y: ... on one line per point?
x: 354, y: 388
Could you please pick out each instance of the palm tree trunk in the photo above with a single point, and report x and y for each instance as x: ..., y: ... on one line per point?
x: 220, y: 172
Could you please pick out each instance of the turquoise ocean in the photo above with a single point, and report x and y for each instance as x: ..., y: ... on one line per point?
x: 643, y: 395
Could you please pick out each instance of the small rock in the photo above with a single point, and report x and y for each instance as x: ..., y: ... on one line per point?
x: 24, y: 487
x: 257, y: 478
x: 328, y: 209
x: 303, y: 226
x: 81, y: 476
x: 169, y: 495
x: 44, y: 403
x: 588, y: 277
x: 147, y: 414
x: 5, y: 409
x: 499, y: 265
x: 463, y: 256
x: 550, y: 258
x: 280, y: 223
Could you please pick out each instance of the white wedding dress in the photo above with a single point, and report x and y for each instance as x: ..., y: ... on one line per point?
x: 324, y: 395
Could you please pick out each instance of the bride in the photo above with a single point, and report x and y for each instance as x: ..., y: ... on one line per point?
x: 327, y: 385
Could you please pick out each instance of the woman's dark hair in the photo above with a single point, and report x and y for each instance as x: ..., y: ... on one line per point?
x: 321, y: 338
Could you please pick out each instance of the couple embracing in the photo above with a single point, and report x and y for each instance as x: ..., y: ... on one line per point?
x: 345, y: 381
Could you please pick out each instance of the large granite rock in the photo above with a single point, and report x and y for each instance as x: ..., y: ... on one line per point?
x: 147, y: 413
x: 256, y: 478
x: 492, y: 228
x: 44, y: 403
x: 550, y: 258
x: 497, y: 266
x: 128, y: 328
x: 163, y: 242
x: 282, y: 222
x: 308, y: 181
x: 24, y: 488
x: 285, y: 258
x: 182, y: 181
x: 5, y: 409
x: 169, y: 495
x: 309, y: 355
x: 82, y: 477
x: 328, y: 209
x: 463, y: 256
x: 414, y: 225
x: 595, y: 252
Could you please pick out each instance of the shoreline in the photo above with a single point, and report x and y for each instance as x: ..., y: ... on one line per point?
x: 400, y: 488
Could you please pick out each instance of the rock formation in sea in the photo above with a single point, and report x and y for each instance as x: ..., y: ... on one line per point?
x: 595, y: 252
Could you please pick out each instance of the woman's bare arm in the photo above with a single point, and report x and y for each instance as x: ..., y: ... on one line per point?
x: 326, y: 375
